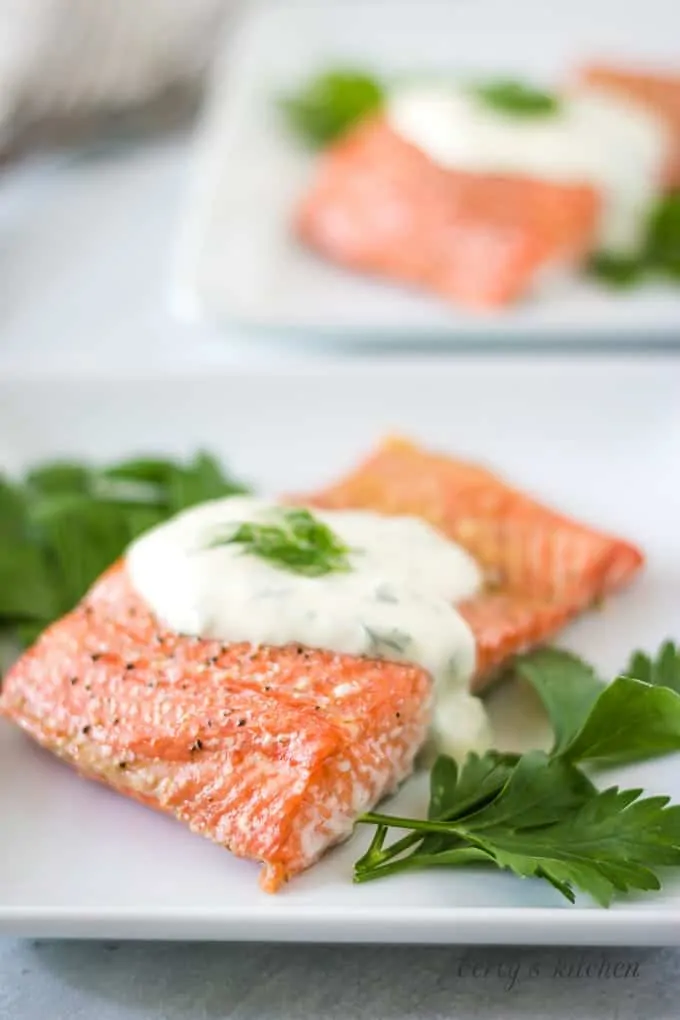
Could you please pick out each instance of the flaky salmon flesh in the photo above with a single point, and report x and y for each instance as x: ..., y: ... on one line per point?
x: 273, y: 752
x: 377, y: 204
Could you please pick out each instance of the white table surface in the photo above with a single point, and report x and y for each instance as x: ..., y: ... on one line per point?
x: 85, y: 244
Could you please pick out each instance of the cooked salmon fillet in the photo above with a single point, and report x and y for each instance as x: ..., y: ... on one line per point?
x: 542, y: 568
x: 660, y: 93
x: 273, y: 752
x: 378, y: 204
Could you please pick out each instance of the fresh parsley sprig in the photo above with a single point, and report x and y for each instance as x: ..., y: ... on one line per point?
x: 66, y: 522
x: 540, y: 814
x: 294, y: 540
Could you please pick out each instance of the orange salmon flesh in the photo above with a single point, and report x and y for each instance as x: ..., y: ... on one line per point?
x: 378, y: 204
x: 274, y: 752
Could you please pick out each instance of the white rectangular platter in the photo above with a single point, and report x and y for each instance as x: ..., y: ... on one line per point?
x: 599, y: 439
x: 237, y: 261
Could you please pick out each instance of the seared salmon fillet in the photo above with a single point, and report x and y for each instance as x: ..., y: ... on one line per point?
x: 271, y: 752
x: 378, y: 204
x: 542, y: 568
x: 660, y: 93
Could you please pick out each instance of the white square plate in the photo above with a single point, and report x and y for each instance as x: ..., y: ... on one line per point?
x: 237, y: 259
x: 598, y: 439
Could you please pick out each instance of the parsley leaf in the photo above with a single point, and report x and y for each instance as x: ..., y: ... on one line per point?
x: 630, y: 721
x: 662, y: 249
x: 480, y: 778
x: 620, y: 271
x: 663, y: 671
x: 331, y: 103
x: 540, y: 815
x: 658, y: 255
x: 295, y: 540
x: 516, y: 98
x: 607, y: 724
x: 610, y: 843
x: 567, y: 686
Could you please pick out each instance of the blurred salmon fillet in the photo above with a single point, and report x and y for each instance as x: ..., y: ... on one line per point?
x: 274, y: 752
x: 377, y: 204
x: 542, y: 568
x: 658, y: 92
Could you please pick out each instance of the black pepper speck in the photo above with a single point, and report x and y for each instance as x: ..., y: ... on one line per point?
x: 241, y: 722
x: 86, y: 730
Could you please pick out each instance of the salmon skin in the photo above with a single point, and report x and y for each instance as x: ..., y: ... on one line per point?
x: 274, y: 752
x: 378, y: 204
x: 660, y: 93
x: 541, y: 568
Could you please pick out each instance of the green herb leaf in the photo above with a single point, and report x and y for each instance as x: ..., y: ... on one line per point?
x: 330, y: 104
x: 82, y: 538
x: 658, y: 255
x: 663, y: 671
x: 630, y: 721
x: 662, y: 249
x: 67, y: 522
x: 540, y: 815
x: 24, y: 586
x: 611, y: 842
x: 567, y: 686
x: 295, y: 541
x: 200, y: 480
x: 479, y: 780
x: 59, y: 477
x: 620, y: 271
x: 516, y: 98
x: 537, y: 792
x: 548, y: 822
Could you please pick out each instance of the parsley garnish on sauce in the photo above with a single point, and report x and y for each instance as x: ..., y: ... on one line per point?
x: 293, y: 540
x: 516, y: 99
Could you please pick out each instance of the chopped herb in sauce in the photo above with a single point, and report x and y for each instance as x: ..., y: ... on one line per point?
x: 382, y: 644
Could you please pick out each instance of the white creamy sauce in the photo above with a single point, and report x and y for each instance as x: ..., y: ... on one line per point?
x: 594, y: 137
x: 396, y: 602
